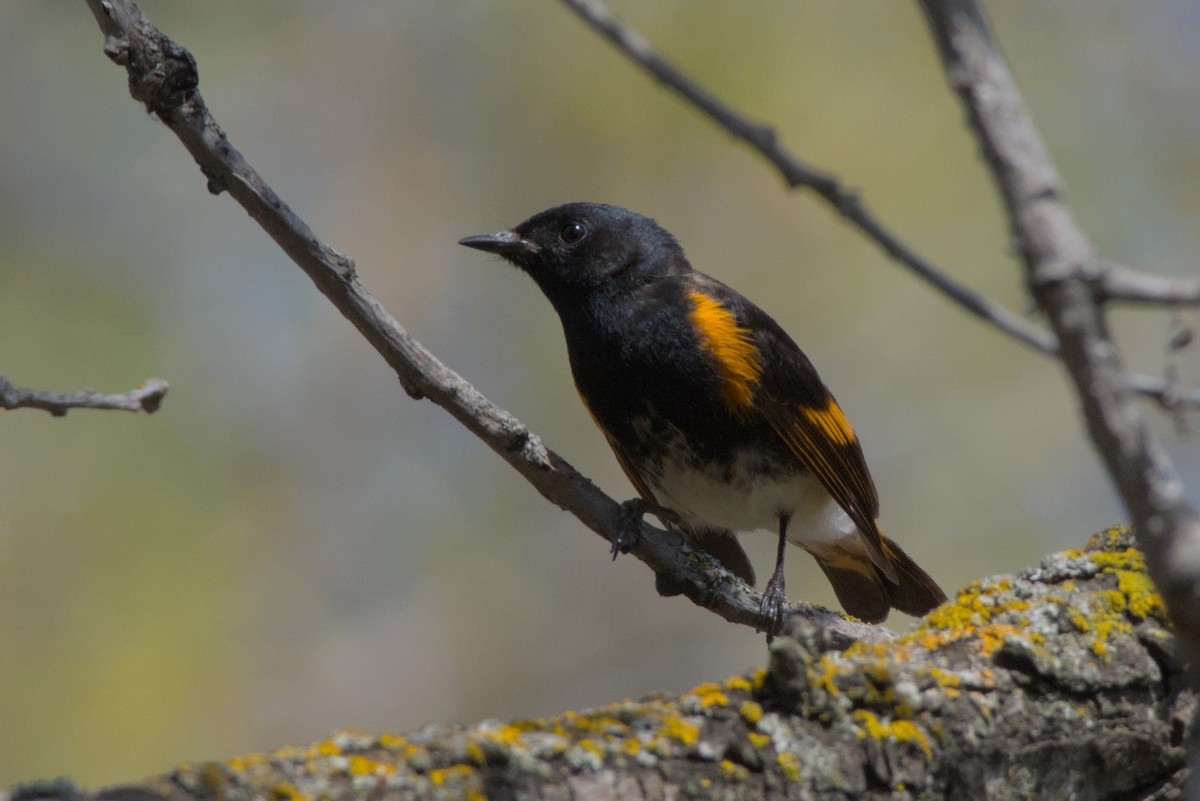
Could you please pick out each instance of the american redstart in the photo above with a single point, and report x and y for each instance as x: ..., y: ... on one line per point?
x: 716, y: 416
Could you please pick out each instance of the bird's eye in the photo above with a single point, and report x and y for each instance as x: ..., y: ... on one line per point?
x: 572, y: 233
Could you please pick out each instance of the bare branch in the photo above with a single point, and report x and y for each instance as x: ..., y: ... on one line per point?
x: 146, y: 398
x: 1121, y: 283
x: 1169, y: 394
x: 162, y: 75
x: 1059, y: 259
x: 798, y: 174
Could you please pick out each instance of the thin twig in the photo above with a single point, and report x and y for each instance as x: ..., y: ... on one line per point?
x: 162, y: 75
x: 1169, y: 394
x: 1123, y: 284
x: 146, y: 398
x: 1060, y: 262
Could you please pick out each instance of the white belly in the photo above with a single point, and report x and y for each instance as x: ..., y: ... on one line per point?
x: 739, y: 501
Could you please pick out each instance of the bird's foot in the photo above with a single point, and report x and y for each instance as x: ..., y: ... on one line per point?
x: 629, y: 526
x: 774, y: 601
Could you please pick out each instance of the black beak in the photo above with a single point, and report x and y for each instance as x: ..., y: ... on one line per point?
x: 503, y: 243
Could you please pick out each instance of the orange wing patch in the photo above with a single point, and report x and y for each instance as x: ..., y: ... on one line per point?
x: 731, y: 347
x: 830, y: 421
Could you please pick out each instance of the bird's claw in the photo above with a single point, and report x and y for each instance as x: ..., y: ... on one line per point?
x: 629, y: 527
x: 771, y: 608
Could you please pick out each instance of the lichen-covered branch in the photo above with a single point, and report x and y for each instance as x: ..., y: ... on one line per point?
x: 163, y: 76
x: 145, y: 398
x: 1059, y: 682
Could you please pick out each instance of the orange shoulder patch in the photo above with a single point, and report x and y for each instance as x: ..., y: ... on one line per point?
x: 731, y: 346
x: 831, y: 422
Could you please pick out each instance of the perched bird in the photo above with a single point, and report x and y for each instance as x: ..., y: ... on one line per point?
x: 714, y: 413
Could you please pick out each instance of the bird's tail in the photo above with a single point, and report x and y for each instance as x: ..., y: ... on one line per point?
x: 866, y: 593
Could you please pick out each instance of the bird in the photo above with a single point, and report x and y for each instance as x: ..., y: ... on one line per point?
x: 716, y: 416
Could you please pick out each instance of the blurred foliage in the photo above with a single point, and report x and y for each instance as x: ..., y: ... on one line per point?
x: 292, y: 545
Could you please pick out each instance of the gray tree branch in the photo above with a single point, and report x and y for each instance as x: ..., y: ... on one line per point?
x: 163, y: 76
x: 146, y: 398
x: 1123, y: 284
x: 1060, y: 262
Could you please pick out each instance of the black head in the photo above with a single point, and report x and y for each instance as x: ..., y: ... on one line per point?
x: 578, y: 248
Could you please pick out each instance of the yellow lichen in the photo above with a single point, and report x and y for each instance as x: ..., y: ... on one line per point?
x: 286, y: 791
x: 506, y: 735
x: 751, y: 712
x: 738, y: 684
x: 440, y: 776
x: 325, y: 748
x: 710, y: 694
x: 679, y: 729
x: 901, y: 731
x: 790, y: 765
x: 1128, y: 559
x: 242, y: 763
x: 992, y: 637
x: 392, y: 742
x: 758, y: 740
x: 827, y: 673
x: 593, y: 747
x: 944, y: 677
x: 734, y: 771
x: 1141, y: 597
x: 363, y: 766
x: 950, y: 616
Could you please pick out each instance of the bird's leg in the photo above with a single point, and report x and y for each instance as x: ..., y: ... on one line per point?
x: 773, y: 598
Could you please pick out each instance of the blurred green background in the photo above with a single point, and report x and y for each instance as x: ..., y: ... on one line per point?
x: 292, y: 545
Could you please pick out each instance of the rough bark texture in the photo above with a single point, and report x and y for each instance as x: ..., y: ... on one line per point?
x: 1059, y: 682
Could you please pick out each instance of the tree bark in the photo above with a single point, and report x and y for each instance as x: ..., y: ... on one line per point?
x: 1059, y: 682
